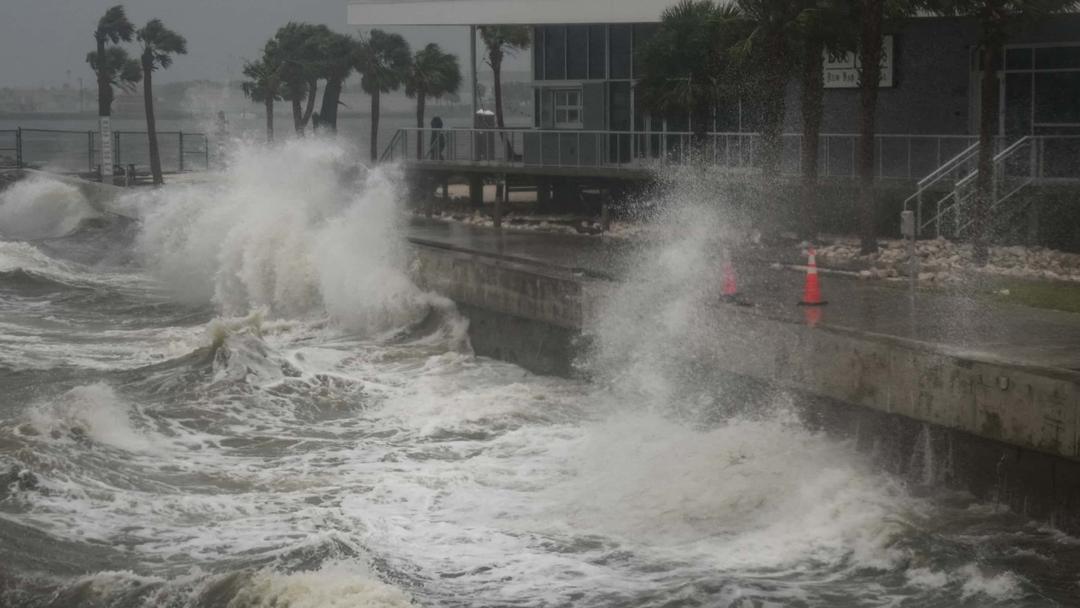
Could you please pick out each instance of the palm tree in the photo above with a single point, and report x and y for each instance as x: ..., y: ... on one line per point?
x: 770, y: 50
x: 824, y: 27
x: 159, y: 44
x: 113, y: 27
x: 998, y: 19
x: 117, y: 70
x: 382, y: 59
x: 499, y: 41
x: 294, y: 49
x: 112, y: 67
x: 684, y: 65
x: 336, y: 54
x: 264, y: 87
x: 434, y: 74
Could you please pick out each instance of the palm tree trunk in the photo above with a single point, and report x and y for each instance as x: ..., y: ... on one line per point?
x: 297, y: 116
x: 269, y: 103
x: 313, y: 89
x: 151, y: 124
x: 813, y: 93
x: 773, y: 107
x: 870, y: 59
x: 421, y: 99
x: 984, y: 181
x: 104, y: 87
x: 375, y: 126
x: 330, y: 100
x: 496, y: 74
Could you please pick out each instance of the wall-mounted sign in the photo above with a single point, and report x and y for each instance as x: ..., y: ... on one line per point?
x: 842, y: 71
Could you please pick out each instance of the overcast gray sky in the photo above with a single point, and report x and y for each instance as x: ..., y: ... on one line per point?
x: 44, y: 42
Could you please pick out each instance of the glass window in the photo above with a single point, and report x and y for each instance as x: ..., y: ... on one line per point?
x: 1018, y: 59
x: 577, y: 52
x: 620, y: 50
x: 536, y: 108
x: 642, y: 33
x: 619, y: 106
x: 1057, y: 57
x: 555, y: 52
x: 567, y: 108
x: 538, y: 53
x: 597, y: 52
x: 1057, y: 97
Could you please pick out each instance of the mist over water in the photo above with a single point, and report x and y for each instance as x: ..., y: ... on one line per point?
x: 255, y: 406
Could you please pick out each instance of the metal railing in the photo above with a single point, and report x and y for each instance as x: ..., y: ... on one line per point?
x: 68, y: 151
x: 897, y: 156
x: 10, y: 148
x: 1030, y: 159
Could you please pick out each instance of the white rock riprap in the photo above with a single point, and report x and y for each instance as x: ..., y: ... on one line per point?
x: 941, y: 260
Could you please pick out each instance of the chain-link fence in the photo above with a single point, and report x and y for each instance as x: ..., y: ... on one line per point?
x: 78, y: 151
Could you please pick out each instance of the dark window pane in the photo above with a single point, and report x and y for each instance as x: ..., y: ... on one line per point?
x: 1057, y: 97
x: 538, y: 53
x: 1018, y: 59
x: 1017, y: 104
x: 678, y: 122
x: 642, y: 33
x: 577, y: 52
x: 619, y: 106
x: 1057, y: 57
x: 620, y: 50
x: 555, y: 52
x: 536, y: 108
x: 597, y: 52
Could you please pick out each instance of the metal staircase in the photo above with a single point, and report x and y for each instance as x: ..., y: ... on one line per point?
x: 951, y: 215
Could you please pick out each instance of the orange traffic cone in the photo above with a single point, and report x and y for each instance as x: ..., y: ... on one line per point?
x: 812, y: 291
x: 730, y: 289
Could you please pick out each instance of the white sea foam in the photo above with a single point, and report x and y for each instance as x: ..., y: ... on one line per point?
x: 340, y: 584
x: 297, y: 230
x: 92, y: 412
x: 39, y: 207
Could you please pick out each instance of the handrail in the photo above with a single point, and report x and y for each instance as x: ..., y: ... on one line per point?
x: 961, y: 192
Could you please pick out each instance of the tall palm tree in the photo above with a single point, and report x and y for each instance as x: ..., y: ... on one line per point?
x: 382, y: 60
x: 998, y: 20
x: 336, y: 54
x: 294, y: 48
x: 113, y: 27
x: 824, y: 27
x: 264, y: 87
x: 770, y: 50
x: 501, y: 40
x: 433, y: 74
x: 117, y: 69
x: 112, y: 67
x: 684, y: 66
x: 159, y: 44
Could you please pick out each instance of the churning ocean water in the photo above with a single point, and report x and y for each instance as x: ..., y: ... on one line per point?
x: 231, y: 394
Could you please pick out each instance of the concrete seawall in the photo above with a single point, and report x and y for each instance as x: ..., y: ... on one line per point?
x: 1001, y: 428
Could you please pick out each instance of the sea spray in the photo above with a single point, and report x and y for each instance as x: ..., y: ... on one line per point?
x: 298, y: 230
x: 41, y: 207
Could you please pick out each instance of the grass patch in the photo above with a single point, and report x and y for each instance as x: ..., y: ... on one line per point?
x: 1054, y: 295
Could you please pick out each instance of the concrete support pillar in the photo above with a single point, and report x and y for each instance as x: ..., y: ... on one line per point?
x: 476, y: 190
x: 1033, y: 224
x: 497, y: 210
x: 605, y: 212
x: 543, y: 195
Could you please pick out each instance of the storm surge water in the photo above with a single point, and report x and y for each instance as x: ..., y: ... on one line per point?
x: 253, y: 405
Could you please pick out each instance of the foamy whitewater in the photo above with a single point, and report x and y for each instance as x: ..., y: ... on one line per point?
x: 236, y: 397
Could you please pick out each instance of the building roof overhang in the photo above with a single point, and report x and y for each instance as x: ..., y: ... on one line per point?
x: 503, y: 12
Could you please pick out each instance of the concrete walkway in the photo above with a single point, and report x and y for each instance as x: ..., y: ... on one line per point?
x: 974, y: 327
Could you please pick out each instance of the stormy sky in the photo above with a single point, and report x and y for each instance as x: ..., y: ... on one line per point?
x: 44, y: 42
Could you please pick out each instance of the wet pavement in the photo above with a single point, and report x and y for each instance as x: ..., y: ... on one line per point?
x: 975, y: 326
